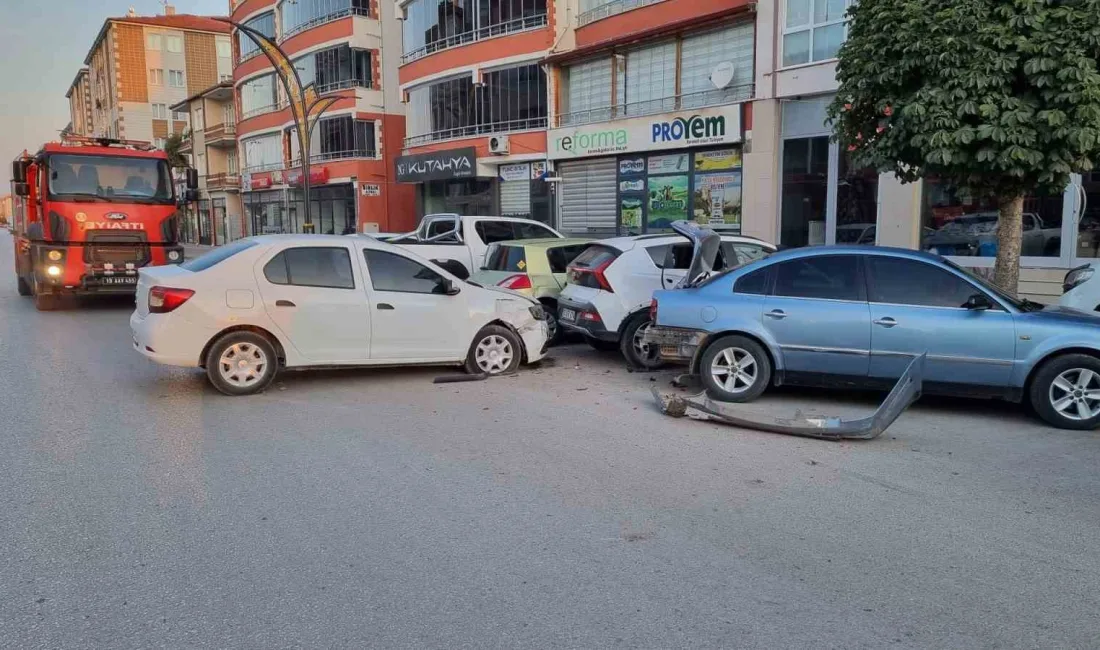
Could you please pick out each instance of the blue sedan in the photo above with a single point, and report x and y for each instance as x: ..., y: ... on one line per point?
x: 855, y: 316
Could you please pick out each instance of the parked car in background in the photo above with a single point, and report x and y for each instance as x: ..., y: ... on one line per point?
x: 976, y: 235
x: 458, y: 243
x: 535, y: 268
x: 1081, y: 288
x: 856, y: 316
x: 611, y: 283
x: 245, y: 310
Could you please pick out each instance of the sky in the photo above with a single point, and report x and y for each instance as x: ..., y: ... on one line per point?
x: 42, y: 46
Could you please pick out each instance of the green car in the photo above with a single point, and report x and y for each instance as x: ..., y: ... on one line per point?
x: 533, y: 267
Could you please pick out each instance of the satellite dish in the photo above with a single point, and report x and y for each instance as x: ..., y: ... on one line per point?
x: 722, y: 74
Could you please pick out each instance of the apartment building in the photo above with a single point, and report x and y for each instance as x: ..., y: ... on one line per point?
x: 138, y: 66
x: 211, y: 143
x: 651, y: 104
x: 349, y: 50
x: 80, y: 104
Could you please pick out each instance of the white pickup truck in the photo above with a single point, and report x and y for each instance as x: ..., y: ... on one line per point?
x: 451, y: 240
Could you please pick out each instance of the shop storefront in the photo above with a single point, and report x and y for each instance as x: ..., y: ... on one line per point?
x: 824, y: 199
x: 641, y: 174
x: 281, y: 209
x: 447, y: 181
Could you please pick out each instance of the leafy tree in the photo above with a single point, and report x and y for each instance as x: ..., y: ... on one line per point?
x: 172, y: 145
x: 999, y: 96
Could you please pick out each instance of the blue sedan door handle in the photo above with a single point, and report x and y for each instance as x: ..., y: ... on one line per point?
x: 885, y: 322
x: 777, y: 314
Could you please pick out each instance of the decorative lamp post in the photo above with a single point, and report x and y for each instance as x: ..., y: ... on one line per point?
x: 305, y: 106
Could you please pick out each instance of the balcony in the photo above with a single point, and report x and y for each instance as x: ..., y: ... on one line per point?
x: 187, y: 145
x: 513, y: 126
x: 331, y: 156
x: 612, y: 8
x: 226, y: 181
x: 526, y: 23
x: 315, y: 21
x: 221, y: 135
x: 703, y: 99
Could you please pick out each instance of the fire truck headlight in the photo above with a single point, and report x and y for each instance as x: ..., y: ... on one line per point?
x: 53, y: 271
x: 173, y: 255
x: 55, y: 256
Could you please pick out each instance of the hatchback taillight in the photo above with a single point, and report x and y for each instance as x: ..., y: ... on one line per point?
x: 516, y: 282
x: 165, y: 299
x: 593, y: 278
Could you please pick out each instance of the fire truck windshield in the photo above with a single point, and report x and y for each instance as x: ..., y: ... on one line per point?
x: 115, y: 179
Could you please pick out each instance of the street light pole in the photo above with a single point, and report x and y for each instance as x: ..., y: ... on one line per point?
x: 305, y: 105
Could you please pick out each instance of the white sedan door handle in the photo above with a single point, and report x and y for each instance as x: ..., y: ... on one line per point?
x: 885, y: 322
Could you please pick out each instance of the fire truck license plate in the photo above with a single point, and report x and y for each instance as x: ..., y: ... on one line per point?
x: 120, y: 280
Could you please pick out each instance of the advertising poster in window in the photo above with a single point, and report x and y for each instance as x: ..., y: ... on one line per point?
x: 670, y: 164
x: 630, y: 212
x: 668, y: 200
x: 719, y: 159
x: 717, y: 200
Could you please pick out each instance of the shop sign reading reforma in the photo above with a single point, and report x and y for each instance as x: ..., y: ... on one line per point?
x: 702, y: 127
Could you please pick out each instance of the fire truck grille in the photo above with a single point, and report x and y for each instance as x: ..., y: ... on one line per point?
x: 116, y: 248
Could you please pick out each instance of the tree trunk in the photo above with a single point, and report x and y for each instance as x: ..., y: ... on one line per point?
x: 1006, y: 273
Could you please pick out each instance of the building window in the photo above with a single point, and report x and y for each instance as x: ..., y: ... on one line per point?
x: 158, y: 142
x: 175, y: 78
x: 265, y: 24
x: 225, y: 78
x: 224, y: 49
x: 174, y: 43
x: 156, y: 77
x: 179, y: 116
x: 231, y: 162
x: 336, y: 68
x: 258, y: 96
x: 335, y: 138
x: 153, y: 42
x: 646, y: 77
x: 299, y: 15
x: 263, y: 152
x: 512, y: 99
x: 431, y: 26
x: 813, y: 30
x: 160, y: 112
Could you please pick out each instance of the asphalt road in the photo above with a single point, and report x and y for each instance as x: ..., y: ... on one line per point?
x: 558, y: 509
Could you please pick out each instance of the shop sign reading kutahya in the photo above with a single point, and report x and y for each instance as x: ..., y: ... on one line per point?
x: 437, y: 166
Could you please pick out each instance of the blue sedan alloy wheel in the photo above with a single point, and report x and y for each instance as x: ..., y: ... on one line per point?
x: 735, y: 369
x: 1066, y: 392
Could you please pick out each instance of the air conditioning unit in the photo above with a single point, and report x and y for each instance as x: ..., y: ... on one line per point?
x: 499, y: 145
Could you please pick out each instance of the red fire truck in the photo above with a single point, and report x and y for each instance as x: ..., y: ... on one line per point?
x: 88, y: 213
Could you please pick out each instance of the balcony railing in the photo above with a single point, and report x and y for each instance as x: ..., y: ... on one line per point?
x: 223, y: 181
x: 270, y: 108
x: 262, y: 167
x: 221, y: 132
x: 610, y: 9
x: 702, y: 99
x: 331, y: 156
x: 529, y: 124
x: 321, y: 20
x: 500, y: 29
x: 343, y: 85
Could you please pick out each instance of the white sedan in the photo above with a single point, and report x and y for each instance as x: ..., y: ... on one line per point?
x: 250, y: 308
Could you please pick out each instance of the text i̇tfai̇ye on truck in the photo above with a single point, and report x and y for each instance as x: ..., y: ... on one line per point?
x: 88, y: 213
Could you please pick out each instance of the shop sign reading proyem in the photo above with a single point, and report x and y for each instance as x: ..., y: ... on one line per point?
x: 708, y: 126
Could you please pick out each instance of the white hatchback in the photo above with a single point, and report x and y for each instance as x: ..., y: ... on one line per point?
x: 250, y: 308
x: 611, y: 284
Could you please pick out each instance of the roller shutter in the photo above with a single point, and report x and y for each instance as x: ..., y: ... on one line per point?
x: 588, y: 196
